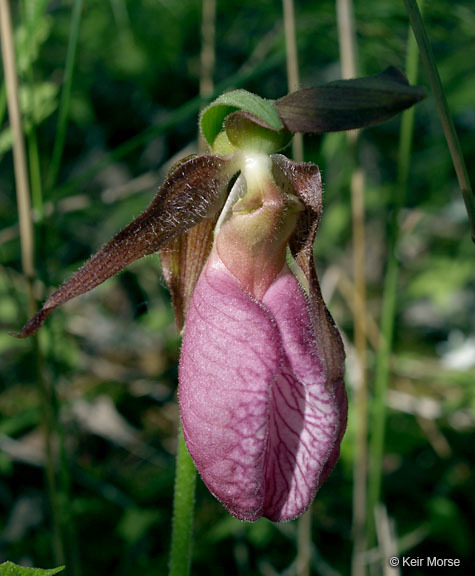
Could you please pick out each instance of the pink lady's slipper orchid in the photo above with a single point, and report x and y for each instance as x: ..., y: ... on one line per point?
x: 262, y: 407
x: 261, y: 391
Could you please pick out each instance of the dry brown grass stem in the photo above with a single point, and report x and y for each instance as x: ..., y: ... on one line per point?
x: 347, y: 38
x: 19, y: 153
x: 208, y: 51
x: 349, y: 58
x: 387, y: 540
x: 207, y: 56
x: 347, y: 290
x: 293, y: 80
x: 361, y: 389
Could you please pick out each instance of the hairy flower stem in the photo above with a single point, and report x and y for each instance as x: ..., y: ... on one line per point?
x: 183, y: 508
x: 304, y: 543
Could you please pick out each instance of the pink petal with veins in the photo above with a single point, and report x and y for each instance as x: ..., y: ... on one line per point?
x: 259, y: 420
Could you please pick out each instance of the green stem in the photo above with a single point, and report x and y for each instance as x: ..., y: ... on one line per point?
x: 389, y: 303
x: 32, y: 141
x: 121, y: 16
x: 3, y: 103
x: 453, y: 142
x: 35, y: 174
x: 65, y: 94
x: 49, y: 408
x: 183, y: 506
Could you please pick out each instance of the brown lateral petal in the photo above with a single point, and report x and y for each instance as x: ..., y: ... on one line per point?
x: 194, y: 191
x: 182, y: 262
x: 306, y: 183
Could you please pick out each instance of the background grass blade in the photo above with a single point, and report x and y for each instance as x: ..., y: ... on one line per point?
x: 349, y: 68
x: 293, y: 76
x: 30, y: 20
x: 453, y: 142
x: 389, y: 306
x: 19, y: 152
x: 65, y: 94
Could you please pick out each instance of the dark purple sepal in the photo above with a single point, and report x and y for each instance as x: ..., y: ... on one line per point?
x: 348, y: 104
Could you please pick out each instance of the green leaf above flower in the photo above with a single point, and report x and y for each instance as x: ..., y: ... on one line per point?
x: 263, y: 112
x: 252, y: 121
x: 11, y: 569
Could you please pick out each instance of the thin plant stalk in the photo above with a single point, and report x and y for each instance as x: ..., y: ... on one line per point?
x: 207, y: 56
x: 433, y: 77
x: 27, y: 249
x: 293, y: 80
x: 35, y: 172
x: 183, y: 510
x: 32, y: 141
x: 19, y: 153
x: 3, y: 103
x: 31, y: 15
x: 349, y: 58
x: 304, y: 543
x: 389, y: 305
x: 65, y: 94
x: 49, y: 409
x: 208, y: 52
x: 360, y: 466
x: 121, y: 16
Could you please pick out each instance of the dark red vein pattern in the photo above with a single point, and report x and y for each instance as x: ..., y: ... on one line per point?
x: 258, y: 418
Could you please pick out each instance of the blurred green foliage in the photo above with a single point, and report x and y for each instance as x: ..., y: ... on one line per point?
x: 10, y: 569
x: 111, y: 357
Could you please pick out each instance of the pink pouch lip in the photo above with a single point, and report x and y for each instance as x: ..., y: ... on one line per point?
x: 258, y: 418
